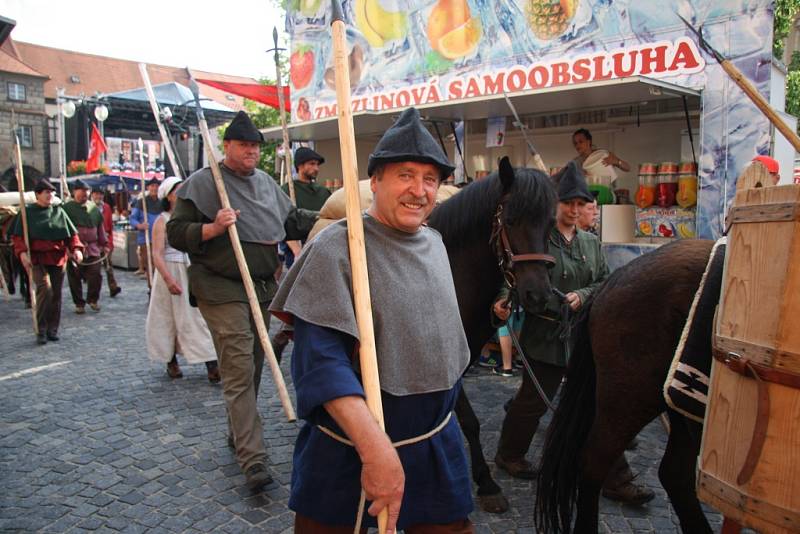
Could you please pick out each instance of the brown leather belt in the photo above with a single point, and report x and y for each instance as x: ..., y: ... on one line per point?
x: 763, y: 375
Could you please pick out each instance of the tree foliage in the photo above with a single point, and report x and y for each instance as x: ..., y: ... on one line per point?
x: 785, y: 13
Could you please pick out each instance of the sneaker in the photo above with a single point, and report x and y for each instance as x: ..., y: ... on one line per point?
x: 520, y: 468
x: 488, y: 361
x: 174, y: 370
x: 257, y: 477
x: 94, y: 306
x: 116, y: 291
x: 80, y: 310
x: 507, y: 373
x: 629, y: 493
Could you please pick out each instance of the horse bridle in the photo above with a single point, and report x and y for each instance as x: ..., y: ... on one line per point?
x: 506, y: 258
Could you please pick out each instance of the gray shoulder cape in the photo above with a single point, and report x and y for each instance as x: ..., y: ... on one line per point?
x: 419, y: 337
x: 262, y: 205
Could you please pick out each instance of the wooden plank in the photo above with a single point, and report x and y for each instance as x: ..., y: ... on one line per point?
x: 786, y: 211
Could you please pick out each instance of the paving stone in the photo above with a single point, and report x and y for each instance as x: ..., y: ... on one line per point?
x: 108, y: 443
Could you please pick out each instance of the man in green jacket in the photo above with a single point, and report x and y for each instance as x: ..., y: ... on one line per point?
x: 263, y: 216
x: 580, y: 268
x: 88, y: 219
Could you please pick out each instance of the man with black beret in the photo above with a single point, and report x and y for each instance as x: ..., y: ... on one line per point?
x: 421, y: 357
x: 88, y: 218
x: 309, y: 195
x: 53, y: 240
x: 264, y: 216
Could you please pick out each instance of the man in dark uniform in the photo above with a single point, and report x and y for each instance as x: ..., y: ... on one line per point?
x: 424, y: 484
x: 264, y: 216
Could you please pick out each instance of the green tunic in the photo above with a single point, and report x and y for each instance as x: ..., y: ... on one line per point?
x: 213, y: 273
x: 580, y: 267
x: 87, y: 215
x: 310, y: 196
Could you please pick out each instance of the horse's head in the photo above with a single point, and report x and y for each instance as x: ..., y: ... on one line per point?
x: 524, y: 217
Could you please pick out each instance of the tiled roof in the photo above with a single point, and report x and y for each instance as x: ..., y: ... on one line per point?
x: 111, y: 75
x: 8, y: 63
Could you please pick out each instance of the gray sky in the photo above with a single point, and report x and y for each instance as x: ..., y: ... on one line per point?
x: 229, y: 37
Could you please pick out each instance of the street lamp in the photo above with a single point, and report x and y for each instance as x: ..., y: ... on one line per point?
x: 68, y: 109
x: 101, y: 112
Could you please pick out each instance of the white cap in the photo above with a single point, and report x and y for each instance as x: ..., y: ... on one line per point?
x: 167, y: 185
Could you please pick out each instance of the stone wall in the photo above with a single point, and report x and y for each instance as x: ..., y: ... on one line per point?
x: 31, y: 113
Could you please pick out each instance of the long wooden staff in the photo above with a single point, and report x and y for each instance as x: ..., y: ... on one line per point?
x: 737, y: 76
x: 23, y: 213
x: 287, y: 155
x: 244, y: 270
x: 355, y: 229
x: 151, y: 96
x: 148, y: 258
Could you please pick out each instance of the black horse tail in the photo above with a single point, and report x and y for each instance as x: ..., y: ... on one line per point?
x: 561, y: 463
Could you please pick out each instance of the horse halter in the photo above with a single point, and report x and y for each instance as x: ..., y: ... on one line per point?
x: 505, y: 254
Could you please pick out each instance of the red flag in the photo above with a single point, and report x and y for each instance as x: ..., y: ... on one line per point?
x: 266, y: 94
x: 97, y: 146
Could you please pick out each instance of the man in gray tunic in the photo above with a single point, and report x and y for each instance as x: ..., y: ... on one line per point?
x: 264, y: 216
x: 422, y: 352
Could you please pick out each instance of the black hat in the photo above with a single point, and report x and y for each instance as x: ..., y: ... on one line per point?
x: 242, y: 128
x: 304, y: 154
x: 79, y: 184
x: 409, y: 140
x: 572, y: 184
x: 43, y: 185
x: 152, y: 181
x: 98, y: 189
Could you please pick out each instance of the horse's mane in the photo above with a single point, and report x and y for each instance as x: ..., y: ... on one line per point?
x: 468, y: 213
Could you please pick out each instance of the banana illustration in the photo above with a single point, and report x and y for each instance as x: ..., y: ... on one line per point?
x: 379, y: 25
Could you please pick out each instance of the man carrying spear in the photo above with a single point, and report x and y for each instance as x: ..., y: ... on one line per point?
x: 421, y: 351
x: 89, y: 220
x: 263, y: 216
x: 53, y: 238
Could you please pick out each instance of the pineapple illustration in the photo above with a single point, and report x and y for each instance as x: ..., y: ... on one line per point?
x: 550, y: 18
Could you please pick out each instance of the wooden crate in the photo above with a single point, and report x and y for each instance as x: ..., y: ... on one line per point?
x: 758, y: 319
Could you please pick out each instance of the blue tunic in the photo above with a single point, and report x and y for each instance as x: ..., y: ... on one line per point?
x: 326, y: 478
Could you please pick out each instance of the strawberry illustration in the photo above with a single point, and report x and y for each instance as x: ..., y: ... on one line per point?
x: 301, y: 66
x: 664, y: 230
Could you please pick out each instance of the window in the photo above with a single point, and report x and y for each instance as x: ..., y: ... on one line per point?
x: 16, y: 91
x: 25, y: 134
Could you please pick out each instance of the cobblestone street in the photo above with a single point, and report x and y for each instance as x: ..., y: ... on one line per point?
x: 97, y: 438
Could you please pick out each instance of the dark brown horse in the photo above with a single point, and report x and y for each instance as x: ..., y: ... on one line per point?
x: 624, y: 342
x: 523, y: 201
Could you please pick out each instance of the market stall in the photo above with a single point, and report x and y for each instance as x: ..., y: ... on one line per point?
x: 633, y: 76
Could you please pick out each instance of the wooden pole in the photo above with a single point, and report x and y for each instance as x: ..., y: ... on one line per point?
x: 244, y: 270
x: 23, y: 212
x: 151, y: 96
x: 148, y: 258
x: 745, y: 85
x: 287, y: 156
x: 355, y: 229
x: 62, y: 164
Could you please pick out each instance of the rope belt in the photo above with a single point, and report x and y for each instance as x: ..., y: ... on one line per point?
x: 87, y: 264
x: 397, y: 444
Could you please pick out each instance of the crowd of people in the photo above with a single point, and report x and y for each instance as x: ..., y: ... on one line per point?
x: 199, y: 309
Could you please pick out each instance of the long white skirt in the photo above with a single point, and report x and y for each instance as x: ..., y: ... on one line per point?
x: 171, y: 318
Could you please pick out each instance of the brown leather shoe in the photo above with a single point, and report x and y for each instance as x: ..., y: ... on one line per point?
x: 629, y: 493
x: 174, y: 370
x: 214, y: 376
x: 517, y: 468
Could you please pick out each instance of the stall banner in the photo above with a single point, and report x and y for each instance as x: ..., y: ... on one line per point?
x: 404, y: 53
x: 123, y: 157
x: 495, y: 132
x: 666, y: 222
